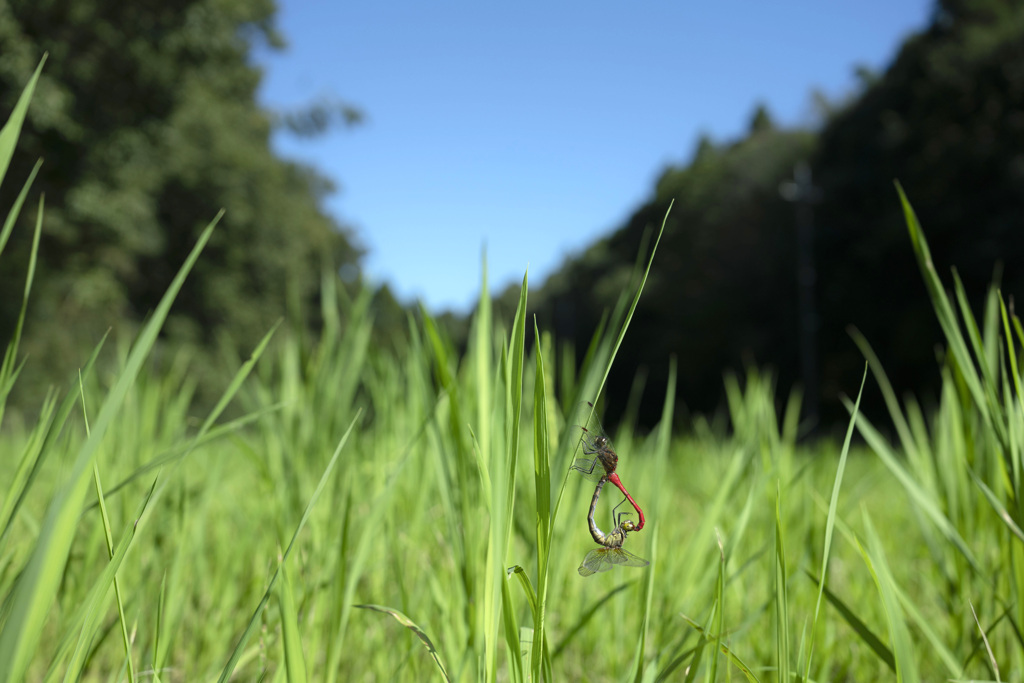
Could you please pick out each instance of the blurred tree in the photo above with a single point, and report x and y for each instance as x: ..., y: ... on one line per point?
x: 146, y: 117
x: 947, y: 120
x: 762, y: 120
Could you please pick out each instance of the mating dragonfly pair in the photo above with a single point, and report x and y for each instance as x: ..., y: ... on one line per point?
x: 600, y: 466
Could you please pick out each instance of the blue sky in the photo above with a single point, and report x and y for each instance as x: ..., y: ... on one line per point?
x: 533, y: 128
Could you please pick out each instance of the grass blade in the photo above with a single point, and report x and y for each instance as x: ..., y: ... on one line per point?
x: 874, y: 557
x: 11, y: 131
x: 542, y: 493
x: 295, y: 662
x: 417, y: 631
x: 831, y: 520
x: 868, y: 636
x: 781, y: 592
x: 734, y: 659
x: 39, y: 583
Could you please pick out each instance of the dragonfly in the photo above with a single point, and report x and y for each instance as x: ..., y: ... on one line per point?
x: 611, y: 553
x: 603, y: 460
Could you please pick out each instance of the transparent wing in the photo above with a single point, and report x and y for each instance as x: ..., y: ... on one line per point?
x: 603, y: 559
x: 589, y: 427
x: 625, y: 558
x: 594, y: 562
x: 599, y: 456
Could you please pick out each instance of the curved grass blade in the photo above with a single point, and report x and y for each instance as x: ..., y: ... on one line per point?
x: 997, y: 505
x: 734, y: 659
x: 586, y: 617
x: 524, y: 580
x: 880, y: 649
x: 411, y: 625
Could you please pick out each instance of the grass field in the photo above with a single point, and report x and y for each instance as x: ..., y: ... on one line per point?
x: 349, y: 513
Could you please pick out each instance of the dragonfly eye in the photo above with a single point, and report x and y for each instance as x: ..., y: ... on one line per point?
x: 628, y: 525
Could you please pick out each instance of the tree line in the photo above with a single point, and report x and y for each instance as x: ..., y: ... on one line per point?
x: 147, y: 121
x: 945, y: 119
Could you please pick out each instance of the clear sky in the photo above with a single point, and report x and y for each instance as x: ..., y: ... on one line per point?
x: 535, y: 127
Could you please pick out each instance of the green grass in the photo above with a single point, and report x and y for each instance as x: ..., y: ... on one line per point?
x: 368, y: 516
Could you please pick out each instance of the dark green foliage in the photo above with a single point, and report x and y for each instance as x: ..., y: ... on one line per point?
x: 946, y: 119
x: 147, y: 121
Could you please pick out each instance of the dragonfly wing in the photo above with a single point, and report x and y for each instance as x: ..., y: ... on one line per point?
x: 585, y: 416
x: 626, y: 558
x: 595, y: 561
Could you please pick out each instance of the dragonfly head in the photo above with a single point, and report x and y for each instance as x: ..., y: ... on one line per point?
x: 628, y: 525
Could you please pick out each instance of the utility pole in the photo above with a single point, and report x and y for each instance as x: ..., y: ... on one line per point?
x: 802, y: 192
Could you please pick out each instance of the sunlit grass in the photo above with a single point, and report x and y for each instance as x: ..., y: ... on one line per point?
x: 358, y: 515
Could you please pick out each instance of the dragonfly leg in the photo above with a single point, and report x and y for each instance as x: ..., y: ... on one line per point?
x: 617, y: 517
x: 582, y: 468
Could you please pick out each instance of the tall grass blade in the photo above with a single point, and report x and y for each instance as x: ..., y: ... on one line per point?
x: 781, y: 596
x: 86, y: 619
x: 8, y: 373
x: 15, y: 211
x: 831, y: 520
x: 510, y: 628
x: 633, y: 304
x: 40, y: 581
x: 874, y: 557
x: 719, y: 607
x: 539, y: 659
x: 993, y: 664
x: 984, y: 400
x: 294, y: 660
x: 483, y: 358
x: 12, y: 129
x: 34, y: 456
x: 503, y: 497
